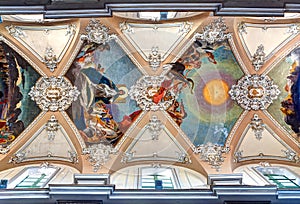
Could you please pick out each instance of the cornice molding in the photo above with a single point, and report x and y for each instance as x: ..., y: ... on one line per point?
x: 60, y: 9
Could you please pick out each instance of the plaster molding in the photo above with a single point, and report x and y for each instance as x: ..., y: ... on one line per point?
x: 46, y: 152
x: 284, y: 131
x: 4, y: 150
x: 126, y: 28
x: 52, y: 127
x: 280, y: 58
x: 257, y: 126
x: 155, y: 126
x: 129, y: 29
x: 53, y: 93
x: 151, y: 131
x: 15, y: 31
x: 49, y: 57
x: 291, y: 155
x: 237, y: 56
x: 154, y: 58
x: 17, y: 158
x: 258, y: 58
x: 212, y: 153
x: 238, y: 155
x: 98, y: 154
x: 254, y: 92
x: 97, y: 33
x: 214, y: 32
x: 235, y: 128
x: 293, y: 29
x: 74, y: 128
x: 143, y: 91
x: 179, y: 130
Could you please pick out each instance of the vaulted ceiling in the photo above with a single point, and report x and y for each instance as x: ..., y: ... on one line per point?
x: 198, y: 91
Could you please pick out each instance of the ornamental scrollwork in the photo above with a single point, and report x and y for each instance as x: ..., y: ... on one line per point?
x: 212, y: 153
x: 293, y: 29
x: 4, y: 150
x: 50, y: 59
x: 147, y: 89
x: 98, y: 154
x: 73, y: 157
x: 53, y: 93
x: 154, y: 126
x: 97, y: 33
x: 154, y: 58
x: 17, y: 158
x: 15, y: 31
x: 254, y: 92
x: 184, y: 158
x: 258, y: 58
x: 127, y: 156
x: 257, y: 126
x: 185, y: 27
x: 126, y: 28
x: 291, y: 155
x: 237, y: 156
x: 52, y: 126
x: 214, y: 32
x: 242, y: 28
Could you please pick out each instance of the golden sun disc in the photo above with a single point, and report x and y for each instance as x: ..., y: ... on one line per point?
x: 215, y: 92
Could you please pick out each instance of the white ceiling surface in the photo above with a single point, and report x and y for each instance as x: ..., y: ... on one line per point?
x: 271, y: 36
x: 165, y: 147
x: 269, y: 145
x: 41, y: 146
x: 145, y: 37
x: 40, y: 38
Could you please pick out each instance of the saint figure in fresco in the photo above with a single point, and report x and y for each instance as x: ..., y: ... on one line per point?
x: 92, y: 113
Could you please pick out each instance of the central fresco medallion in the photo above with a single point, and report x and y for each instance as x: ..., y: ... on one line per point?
x: 203, y: 108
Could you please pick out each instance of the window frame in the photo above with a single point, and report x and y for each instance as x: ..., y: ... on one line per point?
x: 24, y: 173
x: 287, y: 174
x: 173, y: 177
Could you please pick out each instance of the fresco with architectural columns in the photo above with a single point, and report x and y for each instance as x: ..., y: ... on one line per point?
x: 203, y: 108
x: 16, y: 108
x: 287, y: 108
x: 103, y: 73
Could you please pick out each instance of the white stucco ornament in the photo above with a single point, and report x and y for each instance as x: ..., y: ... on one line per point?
x: 53, y: 93
x: 146, y: 89
x: 254, y: 92
x: 96, y: 32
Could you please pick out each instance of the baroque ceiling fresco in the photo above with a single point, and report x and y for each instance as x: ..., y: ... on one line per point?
x: 203, y: 92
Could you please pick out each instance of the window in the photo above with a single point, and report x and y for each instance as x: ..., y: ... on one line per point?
x: 155, y: 16
x: 157, y: 178
x: 33, y: 177
x: 282, y: 181
x: 280, y: 176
